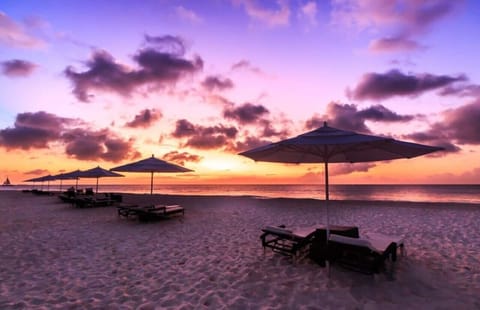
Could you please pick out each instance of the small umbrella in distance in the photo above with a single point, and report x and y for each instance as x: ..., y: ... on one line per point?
x: 97, y: 173
x: 151, y: 165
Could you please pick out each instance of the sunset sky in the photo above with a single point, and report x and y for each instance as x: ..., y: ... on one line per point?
x: 87, y: 83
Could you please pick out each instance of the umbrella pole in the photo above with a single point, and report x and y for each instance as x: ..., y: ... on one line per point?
x: 96, y: 191
x: 327, y: 198
x: 151, y: 183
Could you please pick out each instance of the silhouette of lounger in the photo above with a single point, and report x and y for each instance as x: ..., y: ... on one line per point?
x: 93, y: 201
x: 285, y: 241
x: 366, y: 255
x: 151, y: 212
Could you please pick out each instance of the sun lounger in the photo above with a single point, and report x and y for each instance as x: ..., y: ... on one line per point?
x: 285, y: 241
x: 151, y: 212
x: 92, y: 201
x: 159, y: 212
x: 365, y: 255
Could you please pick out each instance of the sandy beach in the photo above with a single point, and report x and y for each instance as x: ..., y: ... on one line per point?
x: 55, y: 256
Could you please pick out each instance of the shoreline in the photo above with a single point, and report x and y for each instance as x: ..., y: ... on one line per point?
x: 55, y: 255
x: 332, y: 202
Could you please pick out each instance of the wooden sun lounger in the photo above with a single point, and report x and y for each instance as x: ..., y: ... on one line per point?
x: 285, y: 241
x: 152, y: 212
x: 366, y: 255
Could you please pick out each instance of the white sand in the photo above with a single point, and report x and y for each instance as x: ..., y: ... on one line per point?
x: 55, y: 256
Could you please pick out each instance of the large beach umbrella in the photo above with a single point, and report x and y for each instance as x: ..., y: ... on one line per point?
x: 330, y: 145
x: 98, y: 173
x: 151, y: 165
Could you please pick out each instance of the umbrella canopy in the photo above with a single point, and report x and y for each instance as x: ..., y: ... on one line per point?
x: 151, y: 165
x: 330, y: 145
x: 73, y: 175
x: 97, y: 173
x: 45, y: 178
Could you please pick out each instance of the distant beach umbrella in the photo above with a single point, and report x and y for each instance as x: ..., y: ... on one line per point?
x: 151, y: 165
x: 330, y: 145
x: 45, y: 178
x: 98, y: 173
x: 73, y: 175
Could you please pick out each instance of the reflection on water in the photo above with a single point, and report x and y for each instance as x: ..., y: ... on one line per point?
x: 417, y: 193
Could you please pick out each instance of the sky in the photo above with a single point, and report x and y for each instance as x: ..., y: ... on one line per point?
x: 88, y: 83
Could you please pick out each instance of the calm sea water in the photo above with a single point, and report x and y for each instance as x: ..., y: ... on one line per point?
x: 416, y: 193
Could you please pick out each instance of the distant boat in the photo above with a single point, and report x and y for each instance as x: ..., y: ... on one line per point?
x: 7, y: 182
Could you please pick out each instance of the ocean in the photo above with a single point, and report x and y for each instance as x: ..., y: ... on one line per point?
x: 414, y: 193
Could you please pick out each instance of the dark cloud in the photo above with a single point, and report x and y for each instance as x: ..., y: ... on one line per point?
x: 86, y: 144
x: 33, y: 130
x: 377, y: 86
x: 159, y: 66
x: 348, y: 117
x: 168, y: 44
x: 145, y: 118
x: 205, y: 137
x: 17, y: 68
x: 246, y: 113
x: 212, y: 83
x: 343, y: 116
x: 37, y: 130
x: 459, y: 126
x: 268, y: 131
x: 248, y: 143
x: 183, y: 128
x: 380, y: 113
x: 181, y: 157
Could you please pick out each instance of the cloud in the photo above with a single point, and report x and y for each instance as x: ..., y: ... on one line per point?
x: 380, y: 113
x: 17, y: 68
x: 308, y: 13
x: 205, y: 137
x: 465, y: 90
x: 399, y: 23
x: 14, y: 35
x: 377, y: 86
x: 343, y: 169
x: 181, y: 157
x: 160, y: 64
x: 37, y: 172
x: 85, y: 144
x: 38, y: 130
x: 188, y: 15
x: 248, y: 143
x: 33, y: 130
x: 393, y: 44
x: 459, y: 126
x: 272, y: 17
x: 349, y: 117
x: 144, y: 119
x: 219, y: 83
x: 246, y: 65
x: 246, y: 113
